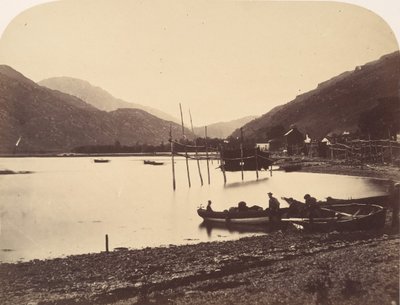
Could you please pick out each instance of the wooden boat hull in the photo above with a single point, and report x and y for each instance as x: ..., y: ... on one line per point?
x: 247, y: 217
x: 101, y: 161
x: 153, y: 162
x: 378, y: 200
x: 343, y: 217
x: 233, y: 160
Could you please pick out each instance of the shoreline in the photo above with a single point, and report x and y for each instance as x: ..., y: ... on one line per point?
x: 384, y: 172
x: 281, y: 267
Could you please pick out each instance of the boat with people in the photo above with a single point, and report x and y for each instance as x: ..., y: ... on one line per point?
x: 152, y: 162
x: 236, y: 215
x: 349, y: 216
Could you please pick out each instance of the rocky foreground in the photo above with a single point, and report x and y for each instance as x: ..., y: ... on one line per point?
x: 283, y: 267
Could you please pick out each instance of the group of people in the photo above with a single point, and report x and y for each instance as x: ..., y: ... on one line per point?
x: 274, y: 205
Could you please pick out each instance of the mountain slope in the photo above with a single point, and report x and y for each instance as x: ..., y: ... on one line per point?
x: 222, y: 129
x: 335, y: 105
x: 96, y: 96
x: 49, y: 120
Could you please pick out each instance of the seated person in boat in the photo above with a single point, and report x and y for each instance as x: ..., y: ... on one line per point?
x: 242, y: 206
x: 311, y: 206
x: 296, y: 208
x: 209, y: 208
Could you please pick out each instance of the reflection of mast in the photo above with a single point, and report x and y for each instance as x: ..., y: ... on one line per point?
x: 16, y: 144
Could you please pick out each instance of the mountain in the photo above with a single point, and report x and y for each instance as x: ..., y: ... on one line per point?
x: 97, y: 96
x: 51, y: 121
x: 336, y: 105
x: 222, y: 129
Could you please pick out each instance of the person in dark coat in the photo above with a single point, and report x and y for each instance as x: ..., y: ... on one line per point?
x: 209, y: 208
x: 273, y: 208
x: 273, y: 203
x: 311, y: 206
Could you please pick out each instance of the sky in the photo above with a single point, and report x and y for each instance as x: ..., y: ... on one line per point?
x: 221, y: 59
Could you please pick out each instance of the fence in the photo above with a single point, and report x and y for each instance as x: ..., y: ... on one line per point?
x: 373, y: 151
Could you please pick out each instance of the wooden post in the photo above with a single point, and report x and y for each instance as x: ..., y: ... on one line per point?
x: 208, y: 166
x: 395, y: 200
x: 186, y: 154
x: 390, y: 147
x: 172, y: 158
x: 241, y: 152
x: 270, y: 171
x: 256, y: 160
x: 370, y: 147
x: 222, y: 163
x: 197, y: 157
x: 107, y: 243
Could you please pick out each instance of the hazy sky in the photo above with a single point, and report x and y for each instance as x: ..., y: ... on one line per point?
x: 221, y: 59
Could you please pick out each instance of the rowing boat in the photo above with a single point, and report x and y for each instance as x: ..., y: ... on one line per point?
x: 339, y: 217
x: 151, y: 162
x: 250, y: 216
x: 101, y: 161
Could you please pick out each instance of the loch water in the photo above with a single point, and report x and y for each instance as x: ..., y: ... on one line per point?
x: 67, y: 205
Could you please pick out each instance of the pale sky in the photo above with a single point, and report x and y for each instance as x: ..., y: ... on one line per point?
x: 222, y: 59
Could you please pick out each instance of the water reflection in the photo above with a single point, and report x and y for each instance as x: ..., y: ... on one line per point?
x: 213, y: 229
x: 245, y: 183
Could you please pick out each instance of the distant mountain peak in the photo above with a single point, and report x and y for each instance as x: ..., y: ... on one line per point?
x: 97, y: 96
x: 223, y: 129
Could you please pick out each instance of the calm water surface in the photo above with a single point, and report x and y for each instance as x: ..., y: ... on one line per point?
x: 67, y: 205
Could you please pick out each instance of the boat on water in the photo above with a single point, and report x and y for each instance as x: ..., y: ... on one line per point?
x: 151, y: 162
x: 345, y: 216
x: 247, y: 159
x: 101, y: 160
x: 233, y: 216
x: 339, y: 217
x: 292, y: 167
x: 382, y: 200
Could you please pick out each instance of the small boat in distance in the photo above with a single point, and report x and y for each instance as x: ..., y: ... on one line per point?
x: 150, y: 162
x: 101, y: 160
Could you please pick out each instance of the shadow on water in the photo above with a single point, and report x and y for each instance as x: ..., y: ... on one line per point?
x: 244, y: 183
x: 236, y: 228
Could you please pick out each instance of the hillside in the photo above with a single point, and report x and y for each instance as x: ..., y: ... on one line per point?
x: 222, y: 129
x: 52, y: 121
x: 96, y: 96
x: 336, y: 104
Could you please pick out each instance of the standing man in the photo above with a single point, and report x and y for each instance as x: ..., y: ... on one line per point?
x: 273, y: 208
x: 273, y: 203
x: 311, y: 206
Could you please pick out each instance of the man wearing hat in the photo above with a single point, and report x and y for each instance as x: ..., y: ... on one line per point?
x: 273, y: 203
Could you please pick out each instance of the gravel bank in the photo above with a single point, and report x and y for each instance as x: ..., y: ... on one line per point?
x: 280, y: 268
